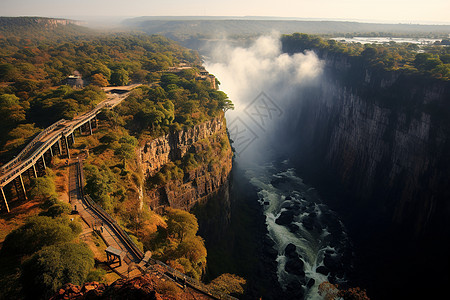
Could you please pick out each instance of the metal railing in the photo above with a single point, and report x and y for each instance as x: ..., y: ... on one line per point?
x: 136, y: 252
x: 31, y: 144
x: 33, y: 158
x: 126, y: 239
x: 180, y: 277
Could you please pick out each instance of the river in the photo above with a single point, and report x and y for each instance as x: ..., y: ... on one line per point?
x: 279, y: 228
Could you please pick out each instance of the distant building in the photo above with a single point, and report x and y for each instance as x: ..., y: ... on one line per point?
x: 177, y: 69
x: 75, y: 80
x: 202, y: 75
x: 205, y: 76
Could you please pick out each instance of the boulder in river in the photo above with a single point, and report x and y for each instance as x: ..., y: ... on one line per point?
x: 293, y: 228
x: 308, y: 223
x: 295, y: 266
x: 294, y: 290
x: 290, y: 251
x: 332, y: 262
x: 310, y: 283
x: 322, y: 270
x: 285, y: 218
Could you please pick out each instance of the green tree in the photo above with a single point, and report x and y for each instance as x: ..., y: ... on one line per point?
x: 157, y: 94
x: 120, y: 77
x: 193, y: 249
x: 7, y: 72
x: 228, y: 284
x: 426, y: 61
x: 37, y: 232
x: 43, y: 187
x: 19, y: 135
x: 181, y: 224
x: 11, y: 112
x: 47, y: 270
x: 57, y: 209
x: 226, y: 104
x: 100, y: 182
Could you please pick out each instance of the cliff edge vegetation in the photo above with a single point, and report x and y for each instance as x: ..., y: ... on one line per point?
x: 431, y: 60
x: 176, y: 99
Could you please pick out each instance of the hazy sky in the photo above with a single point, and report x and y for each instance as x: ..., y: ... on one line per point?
x: 405, y: 11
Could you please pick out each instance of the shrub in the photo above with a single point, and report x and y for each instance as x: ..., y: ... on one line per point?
x: 57, y: 209
x: 96, y: 275
x: 168, y: 288
x: 228, y: 284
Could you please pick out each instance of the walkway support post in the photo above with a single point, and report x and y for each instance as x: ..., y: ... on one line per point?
x: 4, y: 199
x: 90, y: 127
x: 23, y: 187
x: 34, y: 171
x: 59, y: 147
x: 73, y: 137
x: 43, y: 160
x: 67, y: 147
x: 51, y: 151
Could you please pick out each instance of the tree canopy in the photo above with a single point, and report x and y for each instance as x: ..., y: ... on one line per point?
x: 431, y: 60
x: 178, y: 244
x: 38, y: 232
x: 51, y: 267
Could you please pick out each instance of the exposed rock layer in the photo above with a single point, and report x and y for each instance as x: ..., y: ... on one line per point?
x: 379, y: 140
x: 148, y: 287
x: 384, y: 137
x: 209, y: 143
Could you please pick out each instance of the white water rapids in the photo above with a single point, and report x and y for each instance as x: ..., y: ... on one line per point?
x: 266, y: 86
x: 317, y: 230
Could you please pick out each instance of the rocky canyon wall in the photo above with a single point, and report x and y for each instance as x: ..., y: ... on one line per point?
x: 384, y: 136
x: 208, y: 144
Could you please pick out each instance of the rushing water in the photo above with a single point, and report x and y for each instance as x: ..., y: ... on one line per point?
x: 308, y: 224
x: 266, y: 86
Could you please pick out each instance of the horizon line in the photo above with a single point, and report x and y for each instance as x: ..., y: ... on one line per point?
x: 247, y: 17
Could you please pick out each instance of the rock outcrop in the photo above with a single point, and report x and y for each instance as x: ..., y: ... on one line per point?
x: 147, y: 287
x: 209, y: 143
x: 384, y: 137
x: 376, y: 144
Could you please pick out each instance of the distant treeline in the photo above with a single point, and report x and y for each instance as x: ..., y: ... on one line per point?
x: 17, y: 29
x: 433, y: 60
x: 185, y: 28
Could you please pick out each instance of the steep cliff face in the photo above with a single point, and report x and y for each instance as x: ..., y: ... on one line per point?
x: 208, y: 143
x: 384, y: 137
x: 376, y: 145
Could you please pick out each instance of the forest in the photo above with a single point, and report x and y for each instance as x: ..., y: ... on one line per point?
x: 432, y: 60
x: 32, y: 74
x: 47, y: 250
x: 34, y: 94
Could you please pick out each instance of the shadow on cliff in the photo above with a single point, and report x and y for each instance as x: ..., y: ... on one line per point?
x: 236, y: 238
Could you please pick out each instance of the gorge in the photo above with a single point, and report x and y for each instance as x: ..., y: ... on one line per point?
x: 332, y: 169
x: 373, y: 142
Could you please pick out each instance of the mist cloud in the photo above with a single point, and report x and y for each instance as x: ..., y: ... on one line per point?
x: 262, y: 69
x: 246, y: 71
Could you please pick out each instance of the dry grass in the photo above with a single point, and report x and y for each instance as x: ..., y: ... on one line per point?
x: 62, y: 179
x: 16, y: 218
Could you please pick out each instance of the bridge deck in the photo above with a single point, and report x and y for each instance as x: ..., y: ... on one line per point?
x: 48, y: 137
